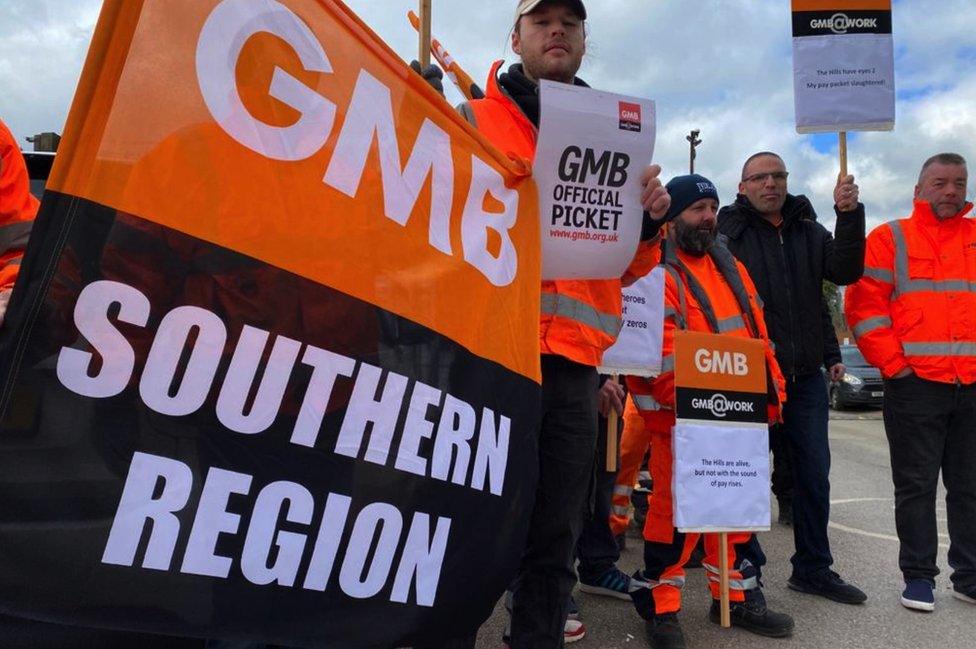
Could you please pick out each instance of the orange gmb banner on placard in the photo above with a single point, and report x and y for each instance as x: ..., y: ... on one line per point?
x: 289, y: 132
x: 716, y: 362
x: 841, y: 5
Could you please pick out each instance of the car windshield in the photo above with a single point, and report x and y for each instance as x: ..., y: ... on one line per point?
x: 852, y: 357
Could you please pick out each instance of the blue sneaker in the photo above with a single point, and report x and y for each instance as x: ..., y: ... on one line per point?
x: 612, y: 584
x: 918, y: 596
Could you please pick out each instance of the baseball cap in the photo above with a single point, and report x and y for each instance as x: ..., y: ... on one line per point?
x: 528, y: 6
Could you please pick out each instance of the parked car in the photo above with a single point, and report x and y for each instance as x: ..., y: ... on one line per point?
x: 38, y: 168
x: 862, y: 385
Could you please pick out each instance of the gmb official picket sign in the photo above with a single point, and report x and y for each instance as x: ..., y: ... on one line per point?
x: 592, y: 147
x: 242, y: 395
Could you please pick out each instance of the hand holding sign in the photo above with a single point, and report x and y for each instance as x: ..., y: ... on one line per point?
x: 611, y: 398
x: 654, y: 196
x: 846, y: 194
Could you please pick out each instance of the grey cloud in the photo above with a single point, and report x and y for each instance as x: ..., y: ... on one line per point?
x: 723, y: 66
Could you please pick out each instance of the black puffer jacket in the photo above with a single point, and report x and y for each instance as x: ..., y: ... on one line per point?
x: 788, y: 265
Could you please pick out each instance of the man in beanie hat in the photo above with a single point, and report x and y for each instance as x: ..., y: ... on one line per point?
x: 705, y: 290
x: 579, y: 320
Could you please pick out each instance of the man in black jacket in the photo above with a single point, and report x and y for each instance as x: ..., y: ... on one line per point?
x: 782, y: 469
x: 788, y: 255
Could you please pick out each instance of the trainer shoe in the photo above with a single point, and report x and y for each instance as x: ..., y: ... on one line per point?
x: 828, y: 584
x: 573, y: 630
x: 918, y: 596
x: 664, y: 632
x: 754, y: 616
x: 969, y: 598
x: 613, y: 583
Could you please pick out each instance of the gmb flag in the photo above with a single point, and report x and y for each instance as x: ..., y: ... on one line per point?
x: 271, y: 369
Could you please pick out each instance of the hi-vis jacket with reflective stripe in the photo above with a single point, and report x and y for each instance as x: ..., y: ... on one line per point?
x: 916, y: 304
x: 17, y: 208
x: 579, y: 318
x: 699, y: 296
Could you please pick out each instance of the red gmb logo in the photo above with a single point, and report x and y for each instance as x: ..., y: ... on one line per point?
x: 630, y: 117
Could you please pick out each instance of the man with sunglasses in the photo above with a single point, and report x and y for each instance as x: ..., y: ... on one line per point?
x: 789, y: 254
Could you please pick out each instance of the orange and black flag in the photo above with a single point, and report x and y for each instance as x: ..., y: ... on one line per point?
x: 271, y: 367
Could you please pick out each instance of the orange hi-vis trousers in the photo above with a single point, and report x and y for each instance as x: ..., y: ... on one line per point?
x: 666, y: 550
x: 633, y: 445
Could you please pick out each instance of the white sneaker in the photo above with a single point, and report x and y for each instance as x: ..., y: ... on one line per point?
x: 573, y: 630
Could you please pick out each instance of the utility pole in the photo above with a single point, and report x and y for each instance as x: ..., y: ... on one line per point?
x: 694, y: 141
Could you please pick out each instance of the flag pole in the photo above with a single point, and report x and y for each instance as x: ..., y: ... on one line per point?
x: 425, y: 9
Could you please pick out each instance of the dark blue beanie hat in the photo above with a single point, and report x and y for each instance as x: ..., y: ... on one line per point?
x: 686, y: 190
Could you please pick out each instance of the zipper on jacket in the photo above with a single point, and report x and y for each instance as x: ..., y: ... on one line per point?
x: 789, y: 302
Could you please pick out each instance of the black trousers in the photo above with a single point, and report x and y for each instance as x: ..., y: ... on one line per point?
x: 782, y: 478
x: 567, y: 443
x: 597, y: 548
x: 931, y: 427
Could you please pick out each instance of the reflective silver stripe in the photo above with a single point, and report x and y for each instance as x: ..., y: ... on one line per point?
x: 939, y: 349
x: 905, y: 284
x: 901, y: 258
x: 467, y: 112
x: 759, y: 301
x: 14, y: 236
x: 677, y: 582
x: 748, y: 583
x: 943, y: 286
x: 880, y: 274
x: 667, y: 363
x: 622, y: 490
x: 620, y: 510
x: 567, y: 307
x: 646, y: 402
x: 670, y: 312
x: 865, y: 327
x: 680, y: 318
x: 731, y: 324
x: 13, y: 262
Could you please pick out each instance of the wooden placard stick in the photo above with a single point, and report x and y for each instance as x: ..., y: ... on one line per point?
x: 842, y: 137
x: 723, y: 570
x: 612, y: 420
x: 425, y: 9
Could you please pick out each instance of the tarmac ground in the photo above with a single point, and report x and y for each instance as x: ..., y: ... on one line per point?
x: 865, y: 550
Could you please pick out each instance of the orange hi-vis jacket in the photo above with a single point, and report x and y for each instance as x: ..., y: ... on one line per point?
x: 18, y: 207
x: 654, y: 397
x: 579, y: 319
x: 698, y: 296
x: 915, y: 307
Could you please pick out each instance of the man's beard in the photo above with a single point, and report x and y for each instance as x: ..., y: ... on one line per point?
x: 693, y: 240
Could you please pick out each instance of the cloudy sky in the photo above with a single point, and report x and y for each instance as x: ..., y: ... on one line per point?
x: 722, y: 66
